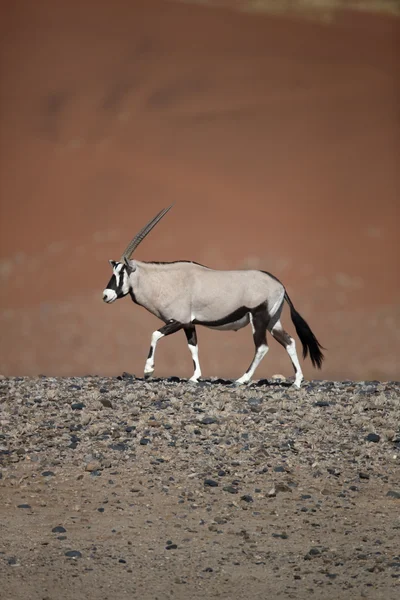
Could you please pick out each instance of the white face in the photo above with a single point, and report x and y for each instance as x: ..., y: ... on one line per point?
x: 118, y: 286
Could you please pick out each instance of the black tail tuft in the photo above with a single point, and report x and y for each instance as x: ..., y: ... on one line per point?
x: 310, y: 343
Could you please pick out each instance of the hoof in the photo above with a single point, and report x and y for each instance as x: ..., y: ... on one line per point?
x: 194, y: 380
x: 148, y: 374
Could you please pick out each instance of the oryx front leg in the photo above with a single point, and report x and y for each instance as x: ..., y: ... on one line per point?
x: 171, y: 327
x: 191, y: 337
x: 258, y: 322
x: 289, y: 344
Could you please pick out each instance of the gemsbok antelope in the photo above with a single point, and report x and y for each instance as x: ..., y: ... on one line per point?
x: 184, y: 294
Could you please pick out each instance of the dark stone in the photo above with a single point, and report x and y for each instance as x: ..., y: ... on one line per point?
x: 101, y: 509
x: 106, y: 403
x: 73, y: 554
x: 209, y: 420
x: 373, y: 437
x: 171, y: 547
x: 122, y: 560
x: 120, y: 446
x: 58, y: 529
x: 393, y: 494
x: 77, y: 406
x: 48, y: 474
x: 103, y: 390
x: 12, y: 561
x: 322, y: 403
x: 363, y: 475
x: 231, y: 489
x: 247, y: 498
x: 211, y: 483
x: 24, y: 506
x: 279, y: 469
x: 145, y: 441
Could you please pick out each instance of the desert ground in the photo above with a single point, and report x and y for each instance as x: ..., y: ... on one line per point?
x: 117, y: 488
x: 277, y: 139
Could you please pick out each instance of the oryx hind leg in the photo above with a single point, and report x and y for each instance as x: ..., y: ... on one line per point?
x: 259, y: 322
x: 191, y: 336
x: 289, y: 344
x: 170, y: 327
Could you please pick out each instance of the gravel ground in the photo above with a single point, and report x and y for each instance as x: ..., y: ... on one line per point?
x: 120, y: 488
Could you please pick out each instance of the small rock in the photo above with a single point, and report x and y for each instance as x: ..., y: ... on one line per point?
x: 230, y: 489
x: 144, y: 441
x: 77, y: 406
x: 209, y: 420
x: 73, y: 554
x: 48, y: 474
x: 106, y: 403
x: 58, y: 529
x: 171, y: 547
x: 94, y: 465
x: 373, y: 437
x: 211, y: 483
x: 363, y: 475
x: 393, y: 494
x: 24, y: 506
x: 86, y: 418
x: 247, y: 498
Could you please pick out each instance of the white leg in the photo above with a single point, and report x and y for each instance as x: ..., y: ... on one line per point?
x: 195, y: 355
x: 289, y: 344
x: 149, y: 366
x: 260, y: 353
x: 291, y: 350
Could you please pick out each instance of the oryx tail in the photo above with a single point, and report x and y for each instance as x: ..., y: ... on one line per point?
x: 309, y: 341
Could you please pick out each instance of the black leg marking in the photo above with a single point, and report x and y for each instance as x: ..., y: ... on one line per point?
x: 288, y: 343
x: 284, y: 339
x: 170, y: 327
x: 191, y: 336
x: 260, y: 320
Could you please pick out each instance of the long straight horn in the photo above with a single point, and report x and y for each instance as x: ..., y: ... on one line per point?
x: 139, y: 237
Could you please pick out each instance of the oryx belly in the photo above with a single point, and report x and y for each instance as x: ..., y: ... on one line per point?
x: 233, y: 326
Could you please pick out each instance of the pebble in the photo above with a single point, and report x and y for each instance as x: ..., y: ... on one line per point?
x: 73, y: 554
x: 58, y: 529
x: 78, y: 406
x: 211, y: 483
x: 393, y: 494
x: 24, y: 506
x: 373, y: 437
x: 209, y: 420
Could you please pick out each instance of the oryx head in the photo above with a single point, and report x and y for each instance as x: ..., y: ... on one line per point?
x: 119, y: 284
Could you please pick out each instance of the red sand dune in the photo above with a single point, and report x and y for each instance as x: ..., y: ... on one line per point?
x: 277, y: 140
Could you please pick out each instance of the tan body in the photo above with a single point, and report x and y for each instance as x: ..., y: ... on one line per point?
x: 186, y: 294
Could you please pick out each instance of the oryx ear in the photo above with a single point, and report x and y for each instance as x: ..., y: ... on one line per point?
x: 130, y: 265
x: 112, y: 263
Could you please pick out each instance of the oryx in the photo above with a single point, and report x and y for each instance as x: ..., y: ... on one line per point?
x: 184, y: 294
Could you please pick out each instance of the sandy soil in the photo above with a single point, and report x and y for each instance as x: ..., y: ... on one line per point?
x: 277, y: 140
x: 117, y: 489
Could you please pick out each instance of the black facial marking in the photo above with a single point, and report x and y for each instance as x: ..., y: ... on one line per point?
x: 113, y: 285
x: 150, y: 352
